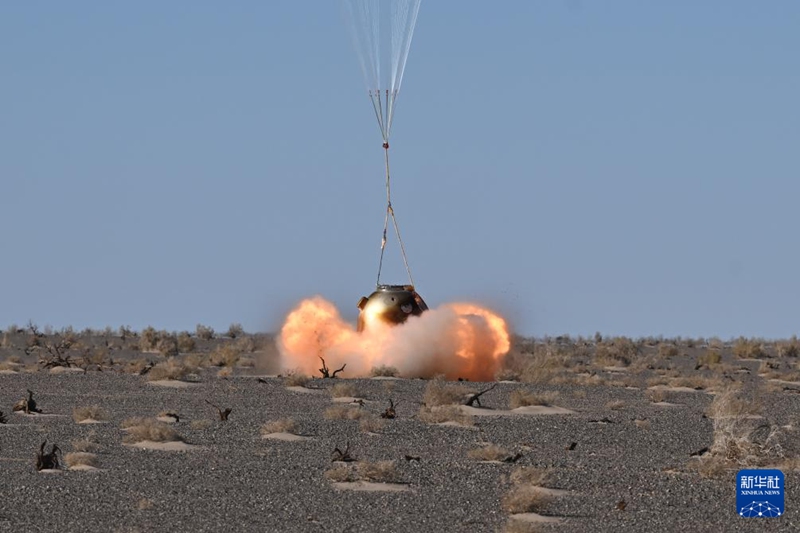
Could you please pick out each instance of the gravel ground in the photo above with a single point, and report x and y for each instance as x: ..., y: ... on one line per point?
x: 238, y: 481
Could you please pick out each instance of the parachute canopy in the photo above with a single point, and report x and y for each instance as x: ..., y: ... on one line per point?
x: 381, y: 32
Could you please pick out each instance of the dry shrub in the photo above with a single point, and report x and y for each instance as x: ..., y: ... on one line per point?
x: 384, y: 371
x: 80, y: 459
x: 377, y: 472
x: 148, y: 339
x: 611, y: 355
x: 94, y: 412
x: 748, y: 349
x: 148, y: 429
x: 186, y: 343
x: 642, y: 424
x: 710, y: 358
x: 371, y: 424
x: 525, y: 499
x: 226, y: 355
x: 615, y: 405
x: 345, y: 412
x: 167, y: 345
x: 235, y: 330
x: 444, y: 414
x: 522, y: 398
x: 657, y: 395
x: 438, y: 392
x: 740, y: 441
x: 666, y: 351
x: 283, y: 425
x: 204, y: 332
x: 545, y: 364
x: 696, y: 382
x: 169, y: 369
x: 225, y: 372
x: 790, y: 348
x: 491, y: 452
x: 297, y: 379
x: 343, y: 390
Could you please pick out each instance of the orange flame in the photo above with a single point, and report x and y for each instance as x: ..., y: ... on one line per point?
x: 457, y: 340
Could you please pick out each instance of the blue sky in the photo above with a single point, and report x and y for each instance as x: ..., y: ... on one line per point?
x: 625, y: 167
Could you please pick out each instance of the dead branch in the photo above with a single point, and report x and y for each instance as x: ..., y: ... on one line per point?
x: 3, y: 418
x: 47, y: 460
x: 325, y: 371
x: 223, y: 414
x: 513, y: 458
x: 389, y: 412
x: 58, y: 355
x: 475, y: 398
x: 339, y: 455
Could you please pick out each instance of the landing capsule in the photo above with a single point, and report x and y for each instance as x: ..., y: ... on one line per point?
x: 390, y: 304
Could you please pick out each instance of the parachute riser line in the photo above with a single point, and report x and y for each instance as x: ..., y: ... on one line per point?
x: 390, y: 211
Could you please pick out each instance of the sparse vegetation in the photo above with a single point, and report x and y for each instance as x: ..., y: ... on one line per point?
x: 94, y: 412
x: 615, y: 405
x: 204, y: 332
x: 525, y: 499
x: 376, y: 472
x: 384, y: 371
x: 141, y: 429
x: 444, y: 414
x: 282, y: 425
x: 170, y: 369
x: 491, y: 452
x: 371, y: 424
x: 297, y: 379
x: 523, y: 398
x: 74, y: 459
x: 439, y: 392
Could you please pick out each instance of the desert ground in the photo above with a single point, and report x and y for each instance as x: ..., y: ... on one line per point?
x: 205, y: 431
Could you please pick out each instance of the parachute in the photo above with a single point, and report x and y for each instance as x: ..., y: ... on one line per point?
x: 381, y: 31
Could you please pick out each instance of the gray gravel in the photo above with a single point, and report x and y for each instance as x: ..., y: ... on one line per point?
x: 241, y: 482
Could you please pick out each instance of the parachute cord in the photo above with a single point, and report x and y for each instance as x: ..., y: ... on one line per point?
x: 390, y: 211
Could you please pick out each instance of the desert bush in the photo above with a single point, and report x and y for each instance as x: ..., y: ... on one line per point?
x: 343, y: 390
x: 377, y: 472
x: 444, y: 414
x: 790, y: 348
x: 74, y: 459
x: 657, y: 395
x: 170, y: 369
x: 709, y: 358
x: 148, y: 339
x: 226, y: 355
x: 235, y: 330
x: 438, y: 392
x: 507, y: 374
x: 748, y: 349
x: 615, y: 405
x: 282, y: 425
x: 668, y: 350
x: 642, y: 423
x: 345, y: 412
x: 523, y: 398
x: 384, y: 371
x: 297, y: 379
x: 186, y: 343
x: 86, y: 444
x: 491, y: 452
x: 204, y: 332
x: 93, y: 412
x: 148, y: 429
x: 167, y: 345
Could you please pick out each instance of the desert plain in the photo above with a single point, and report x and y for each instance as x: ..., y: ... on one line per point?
x: 207, y: 431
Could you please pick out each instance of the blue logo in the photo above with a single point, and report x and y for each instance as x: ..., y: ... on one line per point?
x: 759, y: 493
